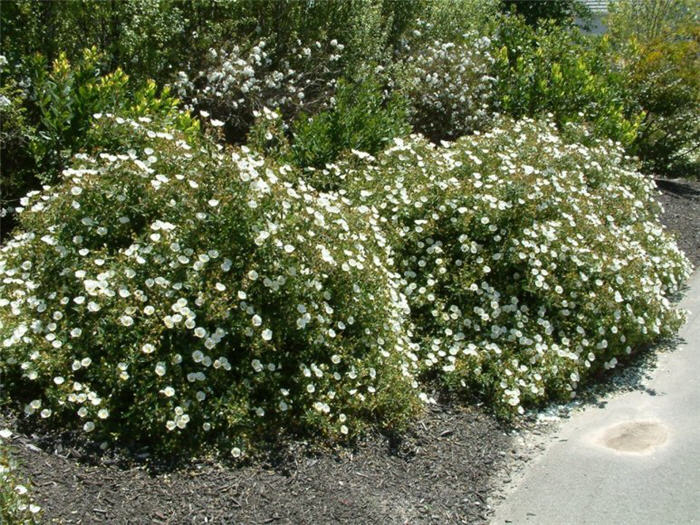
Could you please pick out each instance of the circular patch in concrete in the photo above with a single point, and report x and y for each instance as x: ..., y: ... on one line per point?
x: 635, y: 436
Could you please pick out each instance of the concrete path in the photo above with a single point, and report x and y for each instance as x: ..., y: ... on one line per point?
x: 635, y: 461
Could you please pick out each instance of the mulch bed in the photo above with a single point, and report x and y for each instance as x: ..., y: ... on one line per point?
x: 681, y: 202
x: 443, y: 469
x: 439, y: 472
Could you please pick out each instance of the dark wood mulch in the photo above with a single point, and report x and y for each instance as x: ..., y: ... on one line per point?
x: 681, y: 201
x: 438, y: 473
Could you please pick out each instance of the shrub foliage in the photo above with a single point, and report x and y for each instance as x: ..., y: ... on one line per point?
x: 529, y: 265
x: 166, y: 289
x: 176, y: 296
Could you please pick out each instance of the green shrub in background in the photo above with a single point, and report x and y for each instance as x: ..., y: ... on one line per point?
x: 537, y: 12
x: 664, y: 79
x: 558, y: 70
x: 15, y: 135
x: 148, y: 39
x: 530, y: 265
x: 63, y: 98
x: 178, y: 296
x: 649, y: 20
x: 658, y: 48
x: 448, y: 21
x: 360, y: 118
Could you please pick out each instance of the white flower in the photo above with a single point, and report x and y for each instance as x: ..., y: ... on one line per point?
x: 168, y: 391
x: 267, y: 334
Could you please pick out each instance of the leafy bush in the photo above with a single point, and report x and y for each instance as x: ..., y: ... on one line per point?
x: 178, y: 295
x: 529, y: 265
x: 15, y: 134
x: 556, y: 69
x: 559, y: 11
x: 148, y: 39
x: 448, y: 21
x: 449, y: 87
x: 663, y: 78
x: 359, y: 118
x: 16, y: 503
x: 649, y: 20
x: 63, y: 98
x: 658, y: 45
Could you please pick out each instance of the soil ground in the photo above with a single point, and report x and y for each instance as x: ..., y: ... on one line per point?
x: 681, y: 202
x: 441, y: 471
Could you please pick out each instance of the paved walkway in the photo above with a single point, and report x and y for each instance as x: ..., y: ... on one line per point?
x: 635, y: 461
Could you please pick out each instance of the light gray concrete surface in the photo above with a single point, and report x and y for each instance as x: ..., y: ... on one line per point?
x: 634, y: 461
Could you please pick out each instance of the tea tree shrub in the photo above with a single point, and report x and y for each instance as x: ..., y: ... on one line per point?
x: 530, y: 265
x: 180, y: 294
x: 236, y: 84
x: 449, y: 86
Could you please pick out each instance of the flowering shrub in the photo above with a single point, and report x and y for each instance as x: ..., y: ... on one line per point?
x: 236, y: 84
x: 449, y: 87
x: 529, y: 264
x: 16, y: 503
x: 180, y: 294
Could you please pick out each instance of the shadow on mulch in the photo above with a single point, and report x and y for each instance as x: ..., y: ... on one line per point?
x: 439, y: 472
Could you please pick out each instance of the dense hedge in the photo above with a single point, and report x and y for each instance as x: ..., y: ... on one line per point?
x: 275, y: 254
x: 529, y: 264
x: 179, y: 295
